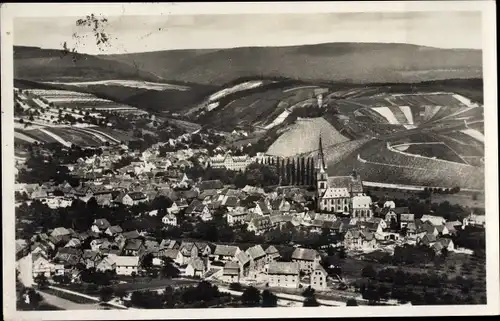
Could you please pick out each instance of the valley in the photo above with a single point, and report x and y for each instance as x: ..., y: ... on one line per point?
x: 413, y: 132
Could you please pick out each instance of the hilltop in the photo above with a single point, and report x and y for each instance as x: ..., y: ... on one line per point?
x: 373, y: 62
x: 39, y: 64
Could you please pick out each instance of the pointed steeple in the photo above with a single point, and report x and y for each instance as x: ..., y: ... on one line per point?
x: 321, y: 156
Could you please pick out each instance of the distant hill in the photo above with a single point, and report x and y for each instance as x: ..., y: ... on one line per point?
x: 352, y: 62
x: 34, y: 63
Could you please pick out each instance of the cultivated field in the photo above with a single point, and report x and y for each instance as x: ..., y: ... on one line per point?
x: 303, y: 137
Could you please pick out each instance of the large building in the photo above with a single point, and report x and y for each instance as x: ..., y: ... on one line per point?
x: 335, y: 193
x: 228, y: 161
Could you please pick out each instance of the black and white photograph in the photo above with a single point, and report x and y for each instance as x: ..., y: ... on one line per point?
x: 203, y: 157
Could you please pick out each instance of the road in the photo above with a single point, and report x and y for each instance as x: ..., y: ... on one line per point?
x: 68, y: 305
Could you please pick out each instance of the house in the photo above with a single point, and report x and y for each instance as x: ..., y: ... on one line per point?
x: 189, y: 250
x: 427, y: 240
x: 230, y: 202
x: 134, y: 198
x: 204, y: 249
x: 169, y: 219
x: 226, y: 252
x: 257, y: 257
x: 210, y: 185
x: 474, y: 220
x: 60, y: 231
x: 243, y: 260
x: 196, y: 268
x: 405, y: 219
x: 261, y: 208
x: 451, y: 228
x: 435, y: 220
x: 100, y: 225
x: 174, y: 255
x: 443, y: 243
x: 169, y: 244
x: 42, y: 266
x: 113, y: 230
x: 206, y: 214
x: 361, y: 207
x: 283, y: 274
x: 373, y: 225
x: 126, y: 265
x: 107, y: 264
x: 73, y: 243
x: 308, y: 259
x: 259, y: 224
x: 442, y: 230
x: 381, y: 224
x: 272, y: 254
x: 90, y: 258
x: 152, y: 246
x: 133, y: 247
x: 231, y: 272
x: 236, y: 217
x: 318, y: 278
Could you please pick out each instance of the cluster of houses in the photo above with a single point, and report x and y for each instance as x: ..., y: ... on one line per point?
x: 105, y: 247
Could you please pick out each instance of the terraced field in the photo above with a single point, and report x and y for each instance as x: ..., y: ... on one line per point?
x: 88, y: 136
x: 303, y: 137
x: 376, y: 163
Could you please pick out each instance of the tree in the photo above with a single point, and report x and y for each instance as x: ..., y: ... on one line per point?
x: 308, y: 292
x: 106, y: 294
x: 147, y: 261
x: 120, y: 293
x: 168, y: 269
x: 311, y: 302
x: 269, y: 299
x: 41, y: 281
x: 250, y: 297
x: 369, y: 272
x: 352, y: 303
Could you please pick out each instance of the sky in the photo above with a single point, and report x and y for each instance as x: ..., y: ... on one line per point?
x: 130, y: 34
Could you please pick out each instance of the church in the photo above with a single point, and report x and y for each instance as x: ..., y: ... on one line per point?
x: 338, y: 194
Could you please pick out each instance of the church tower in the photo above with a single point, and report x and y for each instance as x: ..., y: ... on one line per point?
x: 321, y: 174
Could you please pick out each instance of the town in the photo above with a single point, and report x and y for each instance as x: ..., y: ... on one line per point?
x: 125, y: 228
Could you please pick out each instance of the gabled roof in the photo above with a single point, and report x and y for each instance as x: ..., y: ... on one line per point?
x: 288, y: 268
x: 231, y: 268
x: 133, y: 244
x: 90, y: 255
x: 171, y: 253
x: 168, y: 244
x: 212, y: 184
x: 126, y: 260
x: 226, y: 250
x: 304, y: 254
x: 348, y: 182
x: 137, y: 196
x: 272, y: 250
x: 243, y: 258
x: 262, y: 205
x: 131, y: 234
x: 320, y: 269
x: 256, y: 252
x: 115, y: 229
x: 231, y: 201
x: 197, y: 264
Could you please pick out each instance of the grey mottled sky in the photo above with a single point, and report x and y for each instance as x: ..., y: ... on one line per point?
x: 151, y: 33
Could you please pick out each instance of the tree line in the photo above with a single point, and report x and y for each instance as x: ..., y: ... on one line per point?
x: 293, y: 171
